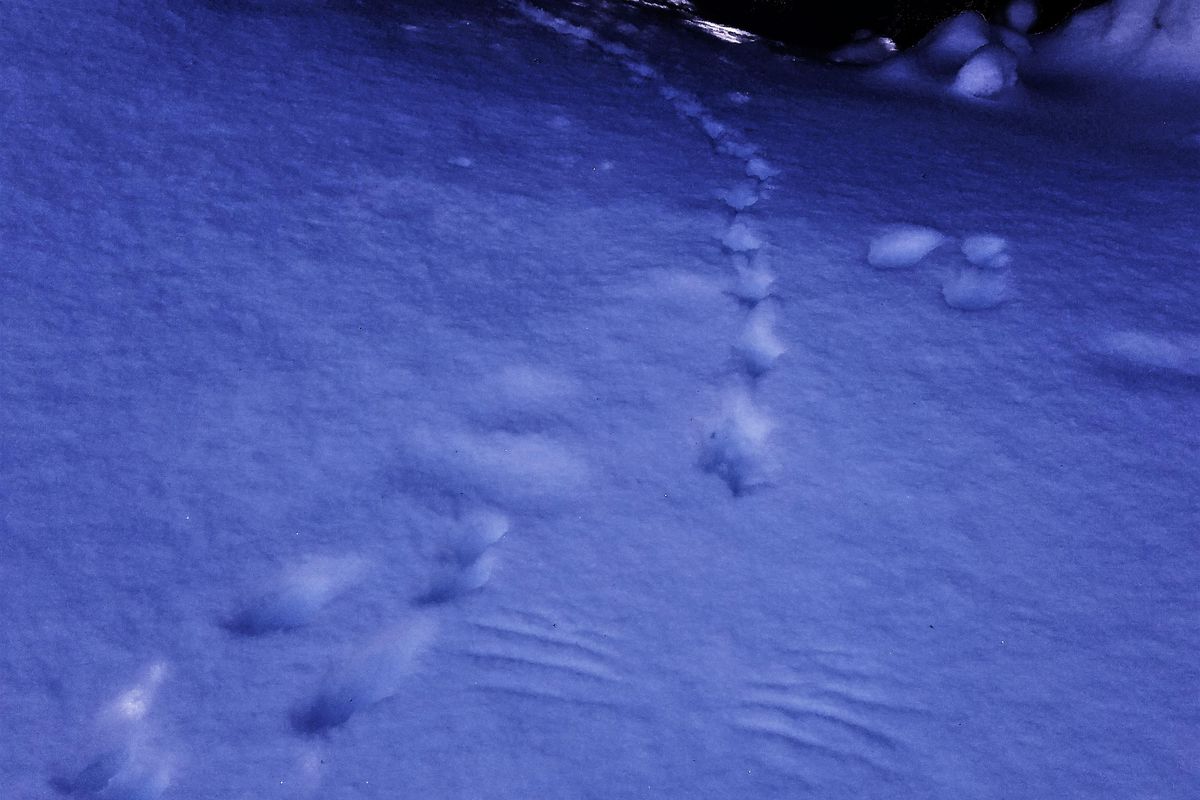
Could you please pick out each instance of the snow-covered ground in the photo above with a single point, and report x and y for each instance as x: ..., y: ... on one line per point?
x: 470, y: 400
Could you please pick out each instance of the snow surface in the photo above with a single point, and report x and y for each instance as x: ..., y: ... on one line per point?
x: 1152, y: 38
x: 498, y: 400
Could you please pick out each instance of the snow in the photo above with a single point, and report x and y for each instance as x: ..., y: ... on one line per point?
x: 986, y: 250
x: 948, y: 46
x: 1020, y: 15
x: 975, y: 289
x: 1150, y: 38
x: 550, y: 400
x: 903, y: 246
x: 990, y: 70
x: 868, y: 50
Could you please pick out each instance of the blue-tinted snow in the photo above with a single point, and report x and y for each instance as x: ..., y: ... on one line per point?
x: 498, y: 401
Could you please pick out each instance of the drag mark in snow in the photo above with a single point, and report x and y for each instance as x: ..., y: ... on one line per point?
x: 823, y: 713
x: 532, y: 656
x: 733, y: 444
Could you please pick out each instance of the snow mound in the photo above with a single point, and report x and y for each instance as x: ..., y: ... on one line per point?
x: 991, y: 70
x: 296, y: 596
x: 373, y: 675
x: 1021, y: 15
x: 1157, y: 38
x: 986, y: 250
x: 947, y: 47
x: 973, y: 289
x: 870, y: 50
x: 902, y: 246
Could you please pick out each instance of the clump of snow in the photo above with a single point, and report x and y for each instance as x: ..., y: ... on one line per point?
x: 972, y: 289
x: 902, y: 246
x: 296, y: 596
x: 868, y: 50
x: 758, y: 347
x: 740, y: 238
x: 948, y: 46
x: 986, y: 250
x: 734, y: 447
x: 462, y: 161
x: 1153, y: 352
x: 738, y: 98
x: 991, y: 70
x: 1021, y: 15
x: 372, y: 675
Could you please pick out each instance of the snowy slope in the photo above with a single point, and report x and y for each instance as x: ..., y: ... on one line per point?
x: 506, y: 401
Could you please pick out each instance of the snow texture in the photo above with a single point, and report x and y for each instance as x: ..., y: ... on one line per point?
x: 437, y: 400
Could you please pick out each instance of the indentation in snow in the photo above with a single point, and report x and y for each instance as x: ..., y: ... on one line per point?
x: 972, y: 289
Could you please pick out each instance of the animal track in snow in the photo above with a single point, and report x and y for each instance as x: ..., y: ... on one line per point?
x: 368, y: 677
x: 742, y: 195
x: 740, y: 238
x: 973, y: 289
x: 466, y: 564
x: 758, y: 347
x: 130, y: 764
x: 756, y: 281
x: 734, y: 445
x: 296, y: 596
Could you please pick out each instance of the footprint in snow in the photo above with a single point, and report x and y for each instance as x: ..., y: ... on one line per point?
x: 755, y: 280
x: 128, y: 763
x: 295, y: 596
x: 974, y: 289
x: 733, y: 446
x: 465, y: 564
x: 369, y: 676
x: 758, y: 348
